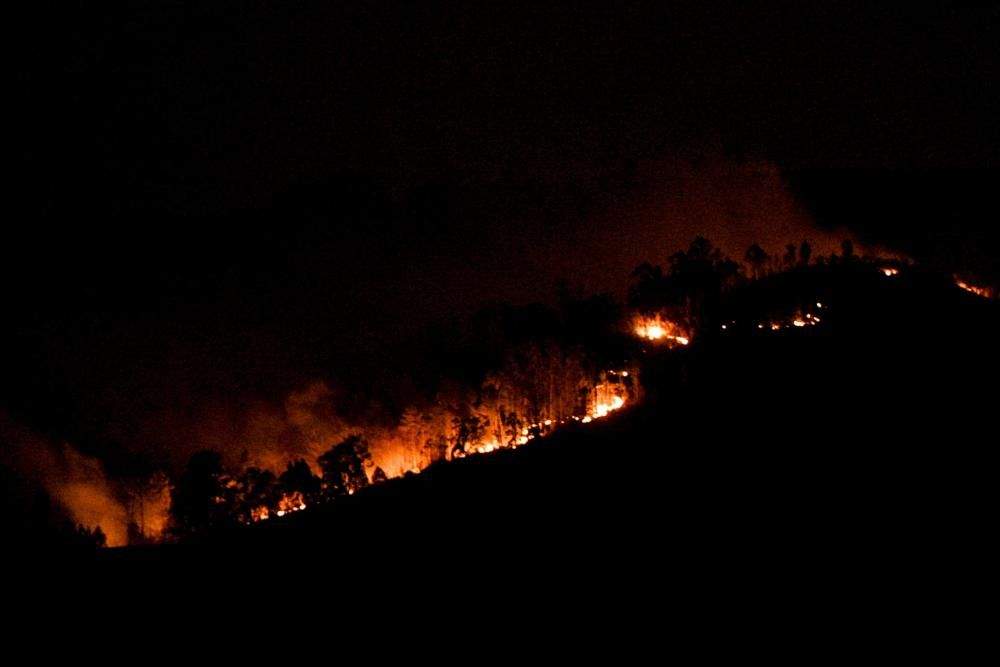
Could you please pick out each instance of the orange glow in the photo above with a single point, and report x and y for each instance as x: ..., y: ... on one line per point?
x: 798, y: 320
x: 985, y: 292
x: 421, y: 438
x: 658, y: 328
x: 888, y: 271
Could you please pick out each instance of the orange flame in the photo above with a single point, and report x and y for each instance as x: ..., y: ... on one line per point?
x: 978, y: 290
x: 659, y: 328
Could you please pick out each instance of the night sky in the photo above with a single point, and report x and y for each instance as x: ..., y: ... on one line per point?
x: 212, y: 201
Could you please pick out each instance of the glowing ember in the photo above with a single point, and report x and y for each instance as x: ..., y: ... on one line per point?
x: 985, y: 292
x: 658, y: 328
x: 890, y: 272
x: 798, y: 320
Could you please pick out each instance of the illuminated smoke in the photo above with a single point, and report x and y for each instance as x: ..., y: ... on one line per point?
x: 732, y: 204
x: 76, y: 482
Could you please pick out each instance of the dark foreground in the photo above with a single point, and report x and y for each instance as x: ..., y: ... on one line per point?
x: 843, y: 468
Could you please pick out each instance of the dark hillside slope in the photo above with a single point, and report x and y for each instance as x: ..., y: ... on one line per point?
x: 856, y: 453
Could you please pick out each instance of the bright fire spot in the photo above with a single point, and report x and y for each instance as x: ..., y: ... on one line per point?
x: 890, y: 271
x: 799, y: 323
x: 985, y: 292
x: 658, y: 328
x: 654, y: 332
x: 282, y: 513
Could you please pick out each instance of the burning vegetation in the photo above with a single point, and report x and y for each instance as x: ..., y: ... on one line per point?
x: 546, y: 373
x: 985, y: 291
x: 658, y: 328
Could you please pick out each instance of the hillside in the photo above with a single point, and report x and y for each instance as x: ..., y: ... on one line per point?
x: 854, y: 449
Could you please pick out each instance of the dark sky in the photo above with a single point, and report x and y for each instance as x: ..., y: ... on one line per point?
x: 224, y: 198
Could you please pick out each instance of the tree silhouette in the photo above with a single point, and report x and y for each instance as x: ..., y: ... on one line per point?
x: 258, y: 488
x: 805, y: 252
x: 847, y: 249
x: 757, y: 259
x: 649, y: 290
x: 699, y: 276
x: 201, y: 498
x: 148, y: 498
x: 468, y: 431
x: 343, y: 467
x: 299, y: 478
x: 789, y: 256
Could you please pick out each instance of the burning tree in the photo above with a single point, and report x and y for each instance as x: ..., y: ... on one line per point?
x: 258, y: 493
x: 343, y: 467
x: 148, y: 507
x: 688, y: 295
x: 298, y: 479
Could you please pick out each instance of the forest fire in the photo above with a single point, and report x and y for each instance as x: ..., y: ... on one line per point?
x: 607, y: 398
x: 658, y: 328
x: 489, y: 424
x: 798, y: 320
x: 307, y: 452
x: 978, y: 290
